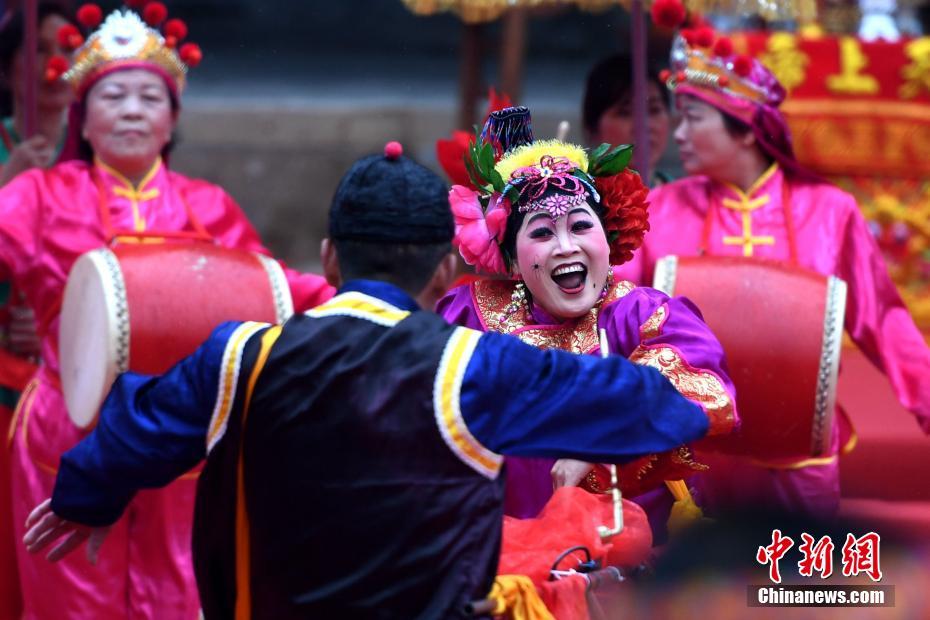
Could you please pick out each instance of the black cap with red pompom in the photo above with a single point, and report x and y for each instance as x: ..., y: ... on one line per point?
x: 389, y: 198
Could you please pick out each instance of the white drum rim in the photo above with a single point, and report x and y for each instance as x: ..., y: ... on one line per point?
x: 280, y: 289
x: 834, y: 317
x: 83, y: 405
x: 666, y: 273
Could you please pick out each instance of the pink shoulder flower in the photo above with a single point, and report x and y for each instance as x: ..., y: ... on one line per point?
x: 478, y: 233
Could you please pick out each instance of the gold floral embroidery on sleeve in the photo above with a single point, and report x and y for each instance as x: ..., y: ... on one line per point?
x: 652, y: 328
x: 700, y: 386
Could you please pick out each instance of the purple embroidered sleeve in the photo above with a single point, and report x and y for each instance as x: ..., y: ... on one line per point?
x: 670, y: 335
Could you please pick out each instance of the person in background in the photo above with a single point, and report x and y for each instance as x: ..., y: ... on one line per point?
x: 607, y: 110
x: 747, y: 195
x: 53, y: 96
x: 112, y: 185
x: 19, y: 343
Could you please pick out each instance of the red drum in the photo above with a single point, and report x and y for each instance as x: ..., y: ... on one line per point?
x: 143, y: 307
x: 781, y: 327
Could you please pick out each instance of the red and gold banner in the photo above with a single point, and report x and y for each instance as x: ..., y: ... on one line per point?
x: 860, y: 115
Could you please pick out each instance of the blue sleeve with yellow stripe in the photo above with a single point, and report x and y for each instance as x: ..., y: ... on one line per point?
x: 517, y: 400
x: 152, y: 429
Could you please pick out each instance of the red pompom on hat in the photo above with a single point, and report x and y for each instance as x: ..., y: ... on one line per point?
x: 664, y: 75
x: 742, y: 65
x: 723, y: 81
x: 688, y: 34
x: 176, y: 28
x: 69, y: 37
x: 668, y: 13
x: 55, y: 67
x: 393, y: 150
x: 154, y: 13
x: 681, y: 76
x: 191, y: 55
x: 723, y: 46
x: 90, y: 15
x: 704, y: 36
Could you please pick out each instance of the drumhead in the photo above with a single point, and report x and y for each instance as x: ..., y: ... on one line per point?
x: 93, y: 335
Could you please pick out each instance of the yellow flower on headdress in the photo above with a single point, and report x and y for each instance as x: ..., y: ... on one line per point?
x: 530, y: 154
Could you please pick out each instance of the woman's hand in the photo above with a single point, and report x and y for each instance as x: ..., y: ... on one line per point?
x: 569, y: 472
x: 36, y: 152
x: 45, y: 527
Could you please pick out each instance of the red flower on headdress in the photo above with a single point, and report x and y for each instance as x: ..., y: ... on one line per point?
x: 624, y: 197
x: 479, y: 233
x: 154, y: 13
x: 90, y: 15
x: 451, y: 156
x: 668, y: 13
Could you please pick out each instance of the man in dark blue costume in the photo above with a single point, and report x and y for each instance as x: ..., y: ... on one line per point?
x: 354, y: 453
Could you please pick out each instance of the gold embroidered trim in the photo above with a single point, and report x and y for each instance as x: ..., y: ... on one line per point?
x: 578, y: 336
x: 652, y: 328
x: 702, y: 387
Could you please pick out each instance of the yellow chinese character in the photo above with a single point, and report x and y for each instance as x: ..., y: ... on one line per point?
x: 850, y: 81
x: 917, y: 73
x: 786, y: 61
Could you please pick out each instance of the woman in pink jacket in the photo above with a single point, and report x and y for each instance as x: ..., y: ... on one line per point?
x: 111, y: 184
x: 748, y: 196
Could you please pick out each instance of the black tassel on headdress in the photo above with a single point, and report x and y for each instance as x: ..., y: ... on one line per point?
x: 508, y: 128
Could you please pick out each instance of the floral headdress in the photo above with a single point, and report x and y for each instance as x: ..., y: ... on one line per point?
x: 506, y: 168
x: 126, y: 39
x: 707, y: 67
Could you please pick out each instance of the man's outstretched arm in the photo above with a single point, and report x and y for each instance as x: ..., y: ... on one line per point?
x: 518, y: 400
x: 152, y: 430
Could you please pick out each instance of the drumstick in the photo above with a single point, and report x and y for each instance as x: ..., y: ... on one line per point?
x: 604, y: 531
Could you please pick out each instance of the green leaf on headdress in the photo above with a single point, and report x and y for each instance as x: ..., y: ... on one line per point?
x: 497, y: 181
x: 469, y: 168
x: 612, y: 161
x: 597, y: 153
x: 487, y: 160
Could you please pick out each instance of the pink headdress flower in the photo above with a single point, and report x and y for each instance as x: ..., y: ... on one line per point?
x: 478, y: 232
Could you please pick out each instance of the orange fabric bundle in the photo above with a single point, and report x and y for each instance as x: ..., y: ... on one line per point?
x: 570, y: 518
